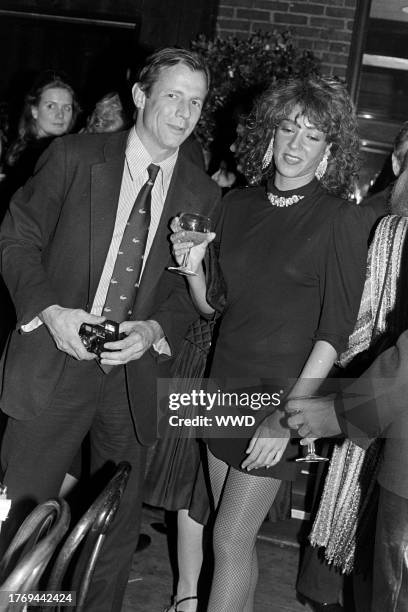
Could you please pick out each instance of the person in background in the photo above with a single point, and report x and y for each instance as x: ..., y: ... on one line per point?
x: 108, y: 115
x: 84, y: 240
x: 379, y: 199
x: 374, y: 406
x: 292, y: 252
x: 50, y: 109
x: 320, y: 583
x: 382, y: 318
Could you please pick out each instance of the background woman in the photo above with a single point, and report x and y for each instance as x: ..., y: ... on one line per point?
x: 50, y: 109
x: 293, y: 257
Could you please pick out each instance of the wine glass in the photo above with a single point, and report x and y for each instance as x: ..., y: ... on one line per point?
x: 311, y: 455
x: 195, y: 227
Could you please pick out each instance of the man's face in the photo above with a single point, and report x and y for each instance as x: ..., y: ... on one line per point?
x: 169, y: 113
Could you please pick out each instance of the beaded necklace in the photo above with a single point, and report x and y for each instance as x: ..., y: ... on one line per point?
x: 281, y: 201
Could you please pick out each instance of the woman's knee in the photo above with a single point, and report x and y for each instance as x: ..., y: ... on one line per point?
x: 230, y: 540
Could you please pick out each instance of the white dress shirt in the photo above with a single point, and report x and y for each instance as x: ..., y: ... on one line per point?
x: 134, y: 177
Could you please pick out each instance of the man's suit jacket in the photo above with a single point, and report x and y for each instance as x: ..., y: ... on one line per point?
x: 376, y: 405
x: 54, y: 241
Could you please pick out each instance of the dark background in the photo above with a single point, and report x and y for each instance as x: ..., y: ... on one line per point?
x: 100, y: 44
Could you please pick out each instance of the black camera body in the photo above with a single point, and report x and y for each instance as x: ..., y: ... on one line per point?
x: 94, y: 336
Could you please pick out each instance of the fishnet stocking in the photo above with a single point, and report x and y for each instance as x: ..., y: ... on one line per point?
x: 242, y: 502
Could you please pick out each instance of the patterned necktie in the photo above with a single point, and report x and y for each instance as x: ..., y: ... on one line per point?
x: 129, y: 261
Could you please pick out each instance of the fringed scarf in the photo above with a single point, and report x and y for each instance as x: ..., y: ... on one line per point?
x: 345, y: 502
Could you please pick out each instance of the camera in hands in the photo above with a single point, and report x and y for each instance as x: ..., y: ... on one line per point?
x: 94, y: 336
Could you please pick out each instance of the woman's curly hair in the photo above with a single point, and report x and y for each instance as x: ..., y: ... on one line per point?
x: 326, y: 103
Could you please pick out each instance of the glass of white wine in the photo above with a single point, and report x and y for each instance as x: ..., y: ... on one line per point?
x: 194, y: 226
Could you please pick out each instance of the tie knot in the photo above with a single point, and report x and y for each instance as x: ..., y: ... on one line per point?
x: 152, y: 171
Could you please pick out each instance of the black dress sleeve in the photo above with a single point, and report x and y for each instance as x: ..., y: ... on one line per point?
x: 342, y: 275
x: 216, y: 294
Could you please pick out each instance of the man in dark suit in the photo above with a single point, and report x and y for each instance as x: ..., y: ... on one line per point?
x: 62, y: 243
x: 374, y: 405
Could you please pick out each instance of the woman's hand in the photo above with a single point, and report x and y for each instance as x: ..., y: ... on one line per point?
x: 267, y: 444
x: 181, y: 246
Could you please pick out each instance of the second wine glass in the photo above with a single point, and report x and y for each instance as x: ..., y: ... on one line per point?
x: 311, y: 455
x: 195, y: 226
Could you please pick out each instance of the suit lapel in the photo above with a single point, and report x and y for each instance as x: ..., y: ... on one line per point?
x: 180, y: 198
x: 106, y: 179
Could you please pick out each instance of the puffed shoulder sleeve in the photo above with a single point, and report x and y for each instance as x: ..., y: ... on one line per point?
x: 342, y: 275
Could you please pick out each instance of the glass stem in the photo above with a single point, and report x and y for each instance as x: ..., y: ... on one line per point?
x: 184, y: 263
x: 311, y: 450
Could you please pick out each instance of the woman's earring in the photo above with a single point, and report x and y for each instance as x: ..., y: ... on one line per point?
x: 267, y: 158
x: 322, y: 167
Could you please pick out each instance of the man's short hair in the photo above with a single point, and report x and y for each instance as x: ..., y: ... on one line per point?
x: 165, y: 58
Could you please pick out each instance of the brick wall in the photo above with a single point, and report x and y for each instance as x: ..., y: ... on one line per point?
x: 321, y: 26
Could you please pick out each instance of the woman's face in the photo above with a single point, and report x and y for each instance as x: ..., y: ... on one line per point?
x: 298, y: 149
x: 53, y: 115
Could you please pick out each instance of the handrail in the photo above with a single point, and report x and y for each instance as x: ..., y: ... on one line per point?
x: 64, y: 18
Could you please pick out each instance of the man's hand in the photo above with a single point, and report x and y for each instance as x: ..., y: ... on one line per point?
x: 63, y: 325
x: 140, y: 336
x: 313, y: 417
x: 267, y: 444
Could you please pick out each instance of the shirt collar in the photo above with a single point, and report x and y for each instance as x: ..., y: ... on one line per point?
x: 138, y: 159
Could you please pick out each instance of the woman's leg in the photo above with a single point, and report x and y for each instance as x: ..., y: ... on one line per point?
x: 244, y: 503
x: 73, y: 476
x: 189, y: 558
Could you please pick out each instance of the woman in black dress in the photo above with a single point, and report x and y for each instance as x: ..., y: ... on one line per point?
x: 293, y: 254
